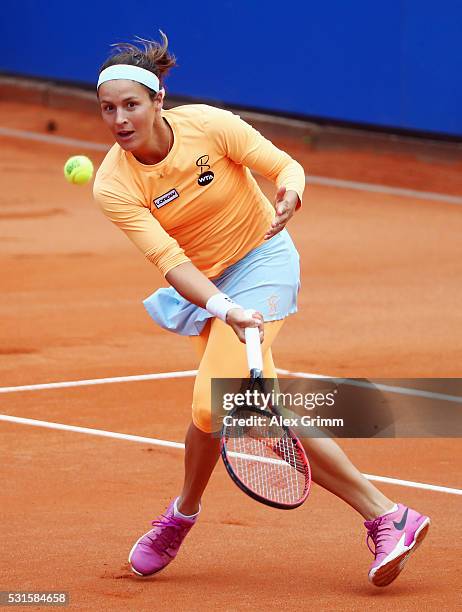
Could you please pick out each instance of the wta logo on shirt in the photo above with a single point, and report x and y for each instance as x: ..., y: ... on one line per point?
x: 206, y: 175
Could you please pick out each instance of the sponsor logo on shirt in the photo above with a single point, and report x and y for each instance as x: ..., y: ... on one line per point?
x: 166, y: 198
x: 206, y: 175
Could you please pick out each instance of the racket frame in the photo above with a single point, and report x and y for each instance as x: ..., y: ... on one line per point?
x: 257, y: 379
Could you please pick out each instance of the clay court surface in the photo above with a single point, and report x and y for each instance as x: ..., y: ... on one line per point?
x: 381, y: 297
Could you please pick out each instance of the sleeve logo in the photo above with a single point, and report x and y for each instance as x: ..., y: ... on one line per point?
x: 166, y: 198
x: 206, y: 175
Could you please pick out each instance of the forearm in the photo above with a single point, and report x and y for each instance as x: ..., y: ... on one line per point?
x: 292, y: 176
x: 191, y: 284
x: 198, y: 289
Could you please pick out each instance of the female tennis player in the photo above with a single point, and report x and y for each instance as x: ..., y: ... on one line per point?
x: 178, y: 183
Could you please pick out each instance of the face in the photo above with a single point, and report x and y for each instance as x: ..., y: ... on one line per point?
x: 130, y: 113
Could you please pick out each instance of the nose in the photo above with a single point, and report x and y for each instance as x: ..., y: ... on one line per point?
x: 120, y: 117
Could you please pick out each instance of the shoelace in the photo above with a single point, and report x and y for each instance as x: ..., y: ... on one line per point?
x: 377, y: 533
x: 169, y: 535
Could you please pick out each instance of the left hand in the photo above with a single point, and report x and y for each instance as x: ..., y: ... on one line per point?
x: 285, y: 205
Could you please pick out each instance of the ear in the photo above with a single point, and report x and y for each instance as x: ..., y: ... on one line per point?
x: 159, y: 99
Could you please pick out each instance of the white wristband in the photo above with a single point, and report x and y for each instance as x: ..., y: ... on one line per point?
x: 219, y: 304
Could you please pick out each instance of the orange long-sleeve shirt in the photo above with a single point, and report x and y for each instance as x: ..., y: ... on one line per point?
x: 200, y: 203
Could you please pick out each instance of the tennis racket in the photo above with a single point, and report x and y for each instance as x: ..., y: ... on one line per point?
x: 263, y: 457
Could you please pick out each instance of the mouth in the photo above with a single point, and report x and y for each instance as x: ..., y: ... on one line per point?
x: 125, y: 134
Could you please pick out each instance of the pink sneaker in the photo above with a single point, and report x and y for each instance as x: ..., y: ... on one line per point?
x: 155, y: 549
x: 395, y: 535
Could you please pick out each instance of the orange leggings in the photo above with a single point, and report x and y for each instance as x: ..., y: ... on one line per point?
x: 222, y: 355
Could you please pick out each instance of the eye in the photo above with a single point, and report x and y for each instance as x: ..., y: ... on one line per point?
x: 131, y: 104
x: 107, y: 108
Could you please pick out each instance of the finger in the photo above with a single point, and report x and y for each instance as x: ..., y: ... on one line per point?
x: 251, y: 321
x: 274, y: 229
x: 255, y: 319
x: 272, y: 233
x: 279, y: 221
x: 278, y: 226
x: 281, y: 192
x: 282, y: 208
x: 259, y: 320
x: 262, y: 333
x: 240, y: 332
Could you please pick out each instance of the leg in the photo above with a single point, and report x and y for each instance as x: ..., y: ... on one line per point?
x: 332, y: 470
x: 331, y: 467
x: 395, y: 530
x: 201, y: 455
x: 223, y: 357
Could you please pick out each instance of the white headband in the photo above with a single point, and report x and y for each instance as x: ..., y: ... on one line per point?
x: 132, y: 73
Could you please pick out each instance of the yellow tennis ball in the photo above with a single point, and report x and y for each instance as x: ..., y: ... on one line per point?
x: 78, y: 169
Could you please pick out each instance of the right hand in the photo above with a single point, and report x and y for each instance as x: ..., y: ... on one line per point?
x: 239, y: 320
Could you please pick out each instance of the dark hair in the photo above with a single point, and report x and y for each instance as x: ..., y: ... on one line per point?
x: 149, y: 54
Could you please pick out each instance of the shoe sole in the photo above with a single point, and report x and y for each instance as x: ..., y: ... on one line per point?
x: 390, y: 571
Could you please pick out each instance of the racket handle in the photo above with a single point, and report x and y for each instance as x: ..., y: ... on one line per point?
x: 253, y: 347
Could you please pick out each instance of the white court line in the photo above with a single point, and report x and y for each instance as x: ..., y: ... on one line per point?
x: 190, y: 373
x: 316, y: 180
x: 99, y: 381
x: 167, y: 443
x: 91, y: 432
x: 375, y: 188
x: 414, y: 485
x: 58, y: 140
x: 370, y: 385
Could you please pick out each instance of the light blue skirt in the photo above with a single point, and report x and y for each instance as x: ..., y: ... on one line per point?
x: 267, y: 279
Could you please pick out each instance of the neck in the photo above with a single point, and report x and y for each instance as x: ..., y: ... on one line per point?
x: 158, y: 148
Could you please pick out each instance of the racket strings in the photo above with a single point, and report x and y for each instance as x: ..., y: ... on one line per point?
x: 269, y: 462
